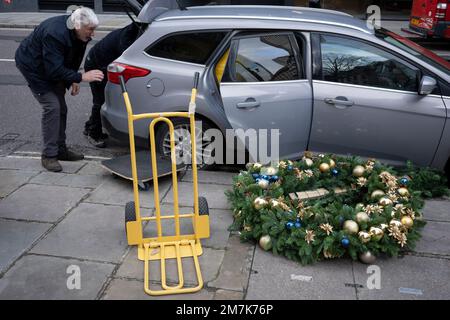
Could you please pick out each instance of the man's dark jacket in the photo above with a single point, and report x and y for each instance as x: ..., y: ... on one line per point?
x: 111, y: 47
x: 50, y: 54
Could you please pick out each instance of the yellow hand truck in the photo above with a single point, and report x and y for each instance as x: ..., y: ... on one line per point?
x: 177, y: 246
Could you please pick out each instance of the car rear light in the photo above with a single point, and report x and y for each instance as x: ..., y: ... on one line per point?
x: 440, y: 12
x: 116, y: 69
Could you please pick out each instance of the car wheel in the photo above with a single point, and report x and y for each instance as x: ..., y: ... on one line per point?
x: 183, y: 143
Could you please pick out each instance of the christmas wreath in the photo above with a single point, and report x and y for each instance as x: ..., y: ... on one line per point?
x: 326, y: 206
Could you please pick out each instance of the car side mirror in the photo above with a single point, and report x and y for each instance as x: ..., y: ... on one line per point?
x: 427, y: 85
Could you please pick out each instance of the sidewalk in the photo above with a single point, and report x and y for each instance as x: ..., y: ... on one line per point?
x: 50, y: 221
x: 109, y: 22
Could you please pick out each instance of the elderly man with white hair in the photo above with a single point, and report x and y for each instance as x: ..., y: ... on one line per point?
x: 49, y: 59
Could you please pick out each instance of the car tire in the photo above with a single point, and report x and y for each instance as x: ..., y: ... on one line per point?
x: 181, y: 126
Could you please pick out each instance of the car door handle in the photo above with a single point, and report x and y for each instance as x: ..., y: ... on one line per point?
x: 248, y: 104
x: 339, y: 101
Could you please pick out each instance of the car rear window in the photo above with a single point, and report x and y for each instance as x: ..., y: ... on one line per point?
x: 193, y: 47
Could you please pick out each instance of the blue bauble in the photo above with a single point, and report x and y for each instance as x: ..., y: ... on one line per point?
x: 298, y: 225
x: 345, y: 242
x: 290, y: 167
x: 341, y: 220
x: 404, y: 181
x: 334, y: 172
x: 289, y: 225
x: 265, y: 177
x: 274, y: 178
x: 255, y: 175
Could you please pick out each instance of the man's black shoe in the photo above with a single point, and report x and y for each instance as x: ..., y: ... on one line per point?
x: 69, y: 155
x: 51, y: 164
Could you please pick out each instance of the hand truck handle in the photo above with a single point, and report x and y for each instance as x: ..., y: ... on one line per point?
x: 122, y: 84
x: 196, y: 77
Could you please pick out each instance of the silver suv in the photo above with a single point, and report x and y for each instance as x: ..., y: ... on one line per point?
x: 326, y: 80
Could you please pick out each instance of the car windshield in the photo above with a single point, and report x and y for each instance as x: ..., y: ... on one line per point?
x: 414, y: 49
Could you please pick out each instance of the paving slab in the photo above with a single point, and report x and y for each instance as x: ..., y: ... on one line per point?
x: 124, y: 289
x: 435, y: 238
x: 219, y: 222
x: 94, y: 168
x: 215, y: 194
x: 235, y: 269
x: 10, y: 180
x: 407, y: 278
x: 228, y: 295
x: 16, y: 237
x: 90, y: 231
x: 32, y: 164
x: 277, y: 278
x: 38, y: 278
x: 210, y: 262
x: 68, y: 180
x: 40, y: 203
x: 216, y: 177
x: 117, y: 191
x: 438, y: 210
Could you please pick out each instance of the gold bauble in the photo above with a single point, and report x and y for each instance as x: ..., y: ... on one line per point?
x: 259, y: 203
x: 351, y: 227
x: 377, y: 193
x: 265, y: 242
x: 263, y: 183
x: 324, y: 167
x: 367, y: 257
x: 395, y: 223
x: 376, y: 233
x: 270, y: 171
x: 358, y: 171
x: 362, y: 217
x: 407, y: 222
x: 403, y: 192
x: 332, y: 163
x: 385, y: 202
x: 364, y: 236
x: 274, y: 203
x: 308, y: 162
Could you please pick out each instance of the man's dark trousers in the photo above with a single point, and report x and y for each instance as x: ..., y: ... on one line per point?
x: 94, y: 125
x: 54, y: 119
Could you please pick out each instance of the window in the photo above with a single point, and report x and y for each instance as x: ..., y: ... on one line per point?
x: 262, y: 58
x: 355, y: 62
x: 194, y: 47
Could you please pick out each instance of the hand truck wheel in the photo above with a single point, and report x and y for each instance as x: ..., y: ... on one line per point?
x: 203, y: 208
x: 130, y: 213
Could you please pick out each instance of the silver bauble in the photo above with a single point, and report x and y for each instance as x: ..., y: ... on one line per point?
x: 367, y: 257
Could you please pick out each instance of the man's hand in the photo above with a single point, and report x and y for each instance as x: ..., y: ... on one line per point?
x: 93, y: 75
x: 75, y: 89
